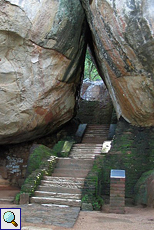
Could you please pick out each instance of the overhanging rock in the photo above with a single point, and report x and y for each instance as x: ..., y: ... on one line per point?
x: 123, y: 44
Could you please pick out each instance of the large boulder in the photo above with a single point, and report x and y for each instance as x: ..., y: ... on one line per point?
x: 94, y: 91
x: 123, y: 44
x: 42, y: 48
x: 144, y: 189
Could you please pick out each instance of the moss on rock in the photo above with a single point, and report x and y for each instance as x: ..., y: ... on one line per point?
x: 91, y: 192
x: 133, y: 151
x: 141, y: 188
x: 38, y: 154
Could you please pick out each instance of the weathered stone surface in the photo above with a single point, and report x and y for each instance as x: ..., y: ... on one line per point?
x: 95, y: 91
x: 145, y: 189
x: 87, y: 207
x: 24, y: 198
x: 122, y: 33
x: 95, y: 106
x: 132, y: 150
x: 42, y: 46
x: 62, y: 216
x: 3, y: 172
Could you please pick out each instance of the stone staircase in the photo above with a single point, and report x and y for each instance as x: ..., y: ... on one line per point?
x: 65, y: 185
x: 7, y: 193
x: 85, y: 151
x: 96, y: 134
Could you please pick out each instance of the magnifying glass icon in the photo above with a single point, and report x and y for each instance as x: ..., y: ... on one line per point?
x: 9, y: 217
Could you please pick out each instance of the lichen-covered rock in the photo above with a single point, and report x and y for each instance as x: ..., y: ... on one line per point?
x: 42, y: 48
x: 123, y: 43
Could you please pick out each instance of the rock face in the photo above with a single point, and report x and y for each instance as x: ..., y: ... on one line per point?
x: 145, y: 189
x: 42, y: 48
x: 94, y: 91
x: 123, y: 43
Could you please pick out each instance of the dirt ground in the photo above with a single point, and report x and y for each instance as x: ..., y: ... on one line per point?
x: 135, y: 218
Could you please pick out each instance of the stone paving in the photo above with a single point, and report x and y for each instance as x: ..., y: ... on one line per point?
x: 64, y: 216
x: 34, y: 228
x: 46, y: 215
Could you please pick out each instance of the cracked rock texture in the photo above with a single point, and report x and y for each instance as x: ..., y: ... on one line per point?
x: 42, y: 48
x: 123, y: 43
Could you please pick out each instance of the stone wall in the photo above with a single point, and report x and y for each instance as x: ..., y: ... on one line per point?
x: 132, y: 150
x: 14, y: 158
x: 94, y: 112
x: 95, y: 105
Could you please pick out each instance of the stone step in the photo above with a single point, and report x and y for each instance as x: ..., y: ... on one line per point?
x: 84, y: 151
x: 7, y: 194
x: 92, y: 146
x: 95, y: 126
x: 72, y: 190
x: 46, y: 200
x: 75, y: 166
x: 64, y: 172
x: 87, y: 147
x: 84, y: 148
x: 64, y: 179
x: 93, y: 140
x: 65, y: 185
x: 62, y: 184
x: 7, y: 200
x: 87, y: 144
x: 90, y: 128
x: 4, y: 182
x: 57, y: 195
x: 84, y: 156
x: 96, y: 132
x: 74, y: 163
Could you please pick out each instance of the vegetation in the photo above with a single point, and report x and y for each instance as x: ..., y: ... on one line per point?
x: 39, y: 154
x: 90, y: 71
x: 34, y: 179
x: 141, y: 193
x: 92, y: 190
x: 62, y: 148
x: 42, y: 162
x: 132, y: 151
